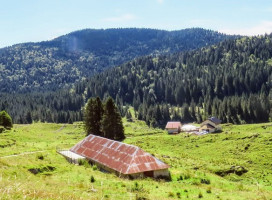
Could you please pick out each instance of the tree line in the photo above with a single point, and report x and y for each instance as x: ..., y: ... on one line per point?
x: 231, y: 80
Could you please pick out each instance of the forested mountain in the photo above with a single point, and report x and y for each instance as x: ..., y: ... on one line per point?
x: 231, y: 80
x: 57, y: 64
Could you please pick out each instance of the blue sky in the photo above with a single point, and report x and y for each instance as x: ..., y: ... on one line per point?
x: 39, y: 20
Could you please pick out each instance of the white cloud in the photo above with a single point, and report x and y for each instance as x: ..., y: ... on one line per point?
x: 122, y: 18
x: 260, y: 29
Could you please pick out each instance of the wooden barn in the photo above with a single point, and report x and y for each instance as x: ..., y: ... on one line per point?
x: 173, y: 127
x: 122, y: 159
x: 211, y: 125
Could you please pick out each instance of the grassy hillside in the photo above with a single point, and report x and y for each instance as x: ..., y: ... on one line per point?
x: 206, y: 167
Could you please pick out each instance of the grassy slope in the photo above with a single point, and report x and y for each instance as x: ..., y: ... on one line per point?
x: 192, y: 157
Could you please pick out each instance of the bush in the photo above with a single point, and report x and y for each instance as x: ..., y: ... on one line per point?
x: 95, y: 167
x: 171, y: 194
x: 137, y: 187
x: 80, y: 162
x: 180, y: 178
x: 200, y: 195
x: 2, y: 129
x: 209, y: 190
x: 178, y: 195
x: 38, y: 170
x: 40, y: 157
x: 84, y: 162
x: 205, y: 181
x: 92, y: 179
x: 187, y: 176
x: 139, y: 197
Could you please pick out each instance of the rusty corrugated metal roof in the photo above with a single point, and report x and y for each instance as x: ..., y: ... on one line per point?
x: 173, y: 125
x: 124, y: 158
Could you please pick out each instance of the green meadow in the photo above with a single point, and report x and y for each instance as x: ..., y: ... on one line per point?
x: 234, y: 164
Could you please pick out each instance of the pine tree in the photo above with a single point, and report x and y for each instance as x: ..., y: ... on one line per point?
x: 28, y: 118
x: 5, y: 119
x: 93, y: 116
x: 129, y: 116
x: 112, y: 125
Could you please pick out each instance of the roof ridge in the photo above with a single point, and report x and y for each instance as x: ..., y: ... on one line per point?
x: 111, y: 140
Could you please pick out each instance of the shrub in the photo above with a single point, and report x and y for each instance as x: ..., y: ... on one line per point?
x: 166, y: 178
x: 92, y: 179
x: 95, y: 167
x: 171, y: 194
x: 205, y: 181
x: 140, y: 197
x: 137, y: 187
x: 40, y: 157
x: 2, y: 129
x: 45, y: 170
x: 178, y: 195
x: 209, y: 190
x: 180, y: 178
x: 80, y: 162
x: 187, y: 176
x: 200, y: 195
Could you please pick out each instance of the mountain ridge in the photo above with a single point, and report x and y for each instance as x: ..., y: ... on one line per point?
x: 59, y: 63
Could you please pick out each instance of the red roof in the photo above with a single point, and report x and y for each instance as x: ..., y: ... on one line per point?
x: 173, y: 125
x: 124, y: 158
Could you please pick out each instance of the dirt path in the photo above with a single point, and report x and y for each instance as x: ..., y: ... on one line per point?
x: 64, y: 125
x: 21, y: 154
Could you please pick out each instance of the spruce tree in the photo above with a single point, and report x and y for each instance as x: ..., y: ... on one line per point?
x: 129, y: 116
x: 5, y: 119
x: 93, y: 116
x: 29, y: 118
x: 112, y: 125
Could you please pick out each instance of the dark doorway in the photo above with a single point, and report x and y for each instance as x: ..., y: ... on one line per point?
x: 149, y: 173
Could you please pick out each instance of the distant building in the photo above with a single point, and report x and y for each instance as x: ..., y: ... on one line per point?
x: 173, y: 127
x: 211, y: 125
x: 122, y: 159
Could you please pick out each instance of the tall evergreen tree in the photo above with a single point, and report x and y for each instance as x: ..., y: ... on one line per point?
x: 93, y: 116
x: 5, y: 119
x: 112, y: 125
x: 28, y: 118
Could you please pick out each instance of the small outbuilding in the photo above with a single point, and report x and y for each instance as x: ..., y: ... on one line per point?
x: 173, y: 127
x: 122, y: 159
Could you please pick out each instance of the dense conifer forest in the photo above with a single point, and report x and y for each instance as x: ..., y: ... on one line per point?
x: 231, y: 80
x: 58, y: 64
